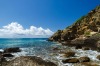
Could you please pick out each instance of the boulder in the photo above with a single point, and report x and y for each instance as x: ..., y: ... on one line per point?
x: 84, y: 59
x: 29, y: 61
x: 98, y: 57
x: 69, y: 54
x: 86, y: 48
x: 72, y: 60
x: 12, y: 50
x: 78, y: 47
x: 7, y: 55
x: 89, y: 64
x: 56, y: 48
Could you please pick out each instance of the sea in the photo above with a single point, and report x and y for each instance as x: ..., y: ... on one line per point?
x: 40, y: 47
x: 29, y: 46
x: 23, y: 42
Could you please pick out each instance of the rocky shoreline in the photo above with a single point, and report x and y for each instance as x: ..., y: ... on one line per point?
x: 65, y: 56
x: 22, y: 60
x: 83, y: 35
x: 71, y: 56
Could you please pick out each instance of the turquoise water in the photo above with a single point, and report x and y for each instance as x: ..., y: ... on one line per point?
x: 24, y: 42
x: 29, y: 46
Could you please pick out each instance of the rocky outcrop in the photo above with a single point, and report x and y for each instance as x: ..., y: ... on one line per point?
x: 83, y: 26
x: 29, y: 61
x: 84, y: 32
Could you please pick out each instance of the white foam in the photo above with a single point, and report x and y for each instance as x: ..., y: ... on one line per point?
x: 58, y: 57
x: 1, y: 50
x: 90, y: 53
x: 78, y: 53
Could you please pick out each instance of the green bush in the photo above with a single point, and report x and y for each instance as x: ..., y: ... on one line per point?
x: 98, y: 7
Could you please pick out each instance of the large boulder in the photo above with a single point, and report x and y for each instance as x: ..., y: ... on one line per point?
x: 29, y: 61
x: 12, y: 50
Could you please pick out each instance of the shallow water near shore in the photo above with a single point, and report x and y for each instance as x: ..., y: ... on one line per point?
x: 41, y: 48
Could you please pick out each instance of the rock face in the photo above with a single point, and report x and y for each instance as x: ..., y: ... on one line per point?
x: 82, y: 31
x: 29, y: 61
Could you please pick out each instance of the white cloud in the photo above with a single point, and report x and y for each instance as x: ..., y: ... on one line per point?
x: 15, y: 30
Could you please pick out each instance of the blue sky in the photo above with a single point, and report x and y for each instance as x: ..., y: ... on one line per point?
x: 52, y: 14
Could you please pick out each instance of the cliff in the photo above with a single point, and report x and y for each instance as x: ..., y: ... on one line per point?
x: 84, y: 28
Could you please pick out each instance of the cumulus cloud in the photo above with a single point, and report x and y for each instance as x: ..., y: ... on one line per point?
x: 15, y: 30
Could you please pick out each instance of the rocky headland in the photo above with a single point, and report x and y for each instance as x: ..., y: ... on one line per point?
x: 84, y: 32
x: 83, y: 35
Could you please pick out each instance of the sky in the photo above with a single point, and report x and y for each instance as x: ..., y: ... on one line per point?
x: 40, y: 18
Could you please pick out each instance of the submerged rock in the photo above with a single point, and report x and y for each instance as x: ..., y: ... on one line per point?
x: 12, y: 50
x: 29, y: 61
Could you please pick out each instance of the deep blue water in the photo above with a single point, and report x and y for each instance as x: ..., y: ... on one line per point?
x: 24, y: 42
